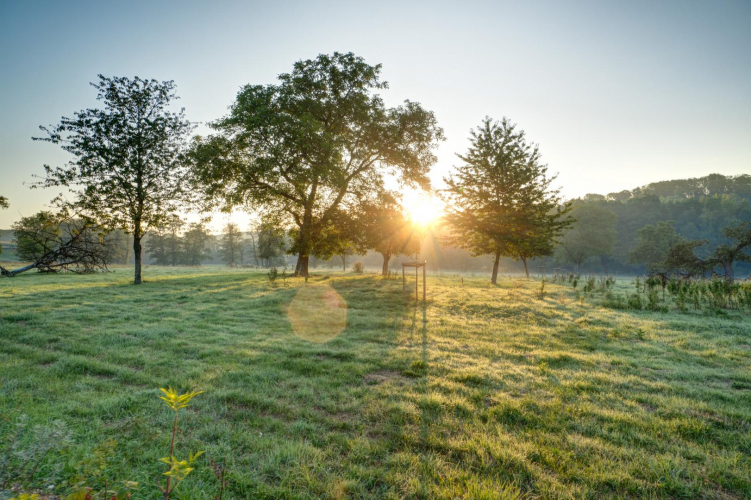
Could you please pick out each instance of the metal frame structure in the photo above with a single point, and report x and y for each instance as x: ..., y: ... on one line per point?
x: 417, y: 265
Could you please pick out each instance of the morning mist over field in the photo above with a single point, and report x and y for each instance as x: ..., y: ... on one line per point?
x: 398, y: 250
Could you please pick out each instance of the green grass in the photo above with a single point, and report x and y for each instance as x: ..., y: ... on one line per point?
x: 488, y: 392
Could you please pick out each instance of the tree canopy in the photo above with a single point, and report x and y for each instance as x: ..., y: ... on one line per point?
x: 500, y: 202
x: 319, y: 139
x: 127, y: 171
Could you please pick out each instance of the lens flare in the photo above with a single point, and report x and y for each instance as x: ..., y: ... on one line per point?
x: 317, y: 313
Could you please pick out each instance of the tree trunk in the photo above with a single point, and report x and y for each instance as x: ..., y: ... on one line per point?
x: 494, y: 277
x: 526, y: 269
x: 302, y: 265
x: 385, y: 268
x: 303, y: 257
x: 137, y: 257
x: 344, y: 262
x: 727, y: 266
x: 10, y: 274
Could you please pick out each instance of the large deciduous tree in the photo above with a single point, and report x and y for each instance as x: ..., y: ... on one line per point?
x: 592, y: 235
x: 319, y: 138
x: 500, y: 201
x: 126, y: 172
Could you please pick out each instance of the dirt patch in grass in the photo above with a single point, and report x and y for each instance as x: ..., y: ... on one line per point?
x: 382, y: 376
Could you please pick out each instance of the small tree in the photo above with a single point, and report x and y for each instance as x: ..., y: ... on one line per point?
x: 387, y: 231
x: 500, y: 201
x: 682, y: 258
x: 126, y: 172
x: 165, y: 244
x: 3, y: 205
x: 737, y: 250
x: 270, y: 245
x: 593, y: 234
x: 229, y: 245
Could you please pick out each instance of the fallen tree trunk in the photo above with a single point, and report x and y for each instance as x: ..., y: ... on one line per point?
x: 77, y: 246
x: 10, y: 274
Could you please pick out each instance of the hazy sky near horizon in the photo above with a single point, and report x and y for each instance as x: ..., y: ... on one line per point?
x: 617, y: 94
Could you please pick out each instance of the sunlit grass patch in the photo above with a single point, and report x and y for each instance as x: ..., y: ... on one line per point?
x: 317, y: 313
x: 488, y: 392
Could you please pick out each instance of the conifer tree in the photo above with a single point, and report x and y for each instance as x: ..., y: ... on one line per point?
x: 500, y: 201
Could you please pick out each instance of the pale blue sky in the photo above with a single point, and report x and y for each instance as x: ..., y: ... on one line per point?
x: 617, y: 94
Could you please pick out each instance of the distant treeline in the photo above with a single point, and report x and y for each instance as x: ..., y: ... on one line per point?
x: 608, y: 231
x: 697, y: 208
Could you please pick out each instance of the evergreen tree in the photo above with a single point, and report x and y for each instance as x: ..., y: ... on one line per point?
x: 500, y: 201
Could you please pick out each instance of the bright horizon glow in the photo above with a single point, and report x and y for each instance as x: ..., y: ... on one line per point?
x: 617, y: 94
x: 422, y: 208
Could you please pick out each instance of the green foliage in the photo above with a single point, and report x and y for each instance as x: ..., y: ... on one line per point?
x: 271, y: 245
x: 385, y: 229
x: 699, y: 210
x: 127, y: 170
x: 3, y: 205
x: 26, y: 448
x: 36, y: 235
x: 272, y: 275
x: 334, y: 140
x: 592, y: 234
x: 358, y: 267
x: 53, y: 242
x: 194, y: 242
x: 500, y: 201
x: 653, y: 246
x: 165, y: 243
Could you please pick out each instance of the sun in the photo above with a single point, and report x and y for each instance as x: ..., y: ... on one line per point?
x: 422, y: 209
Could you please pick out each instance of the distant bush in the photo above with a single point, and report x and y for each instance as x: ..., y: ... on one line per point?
x: 358, y: 267
x: 272, y: 274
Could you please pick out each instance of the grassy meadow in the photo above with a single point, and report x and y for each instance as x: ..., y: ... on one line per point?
x: 337, y: 388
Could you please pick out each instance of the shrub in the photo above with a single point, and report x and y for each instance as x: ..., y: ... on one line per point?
x: 358, y: 267
x: 272, y: 274
x: 634, y: 301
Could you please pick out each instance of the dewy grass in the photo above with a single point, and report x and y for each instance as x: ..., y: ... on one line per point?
x: 487, y: 392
